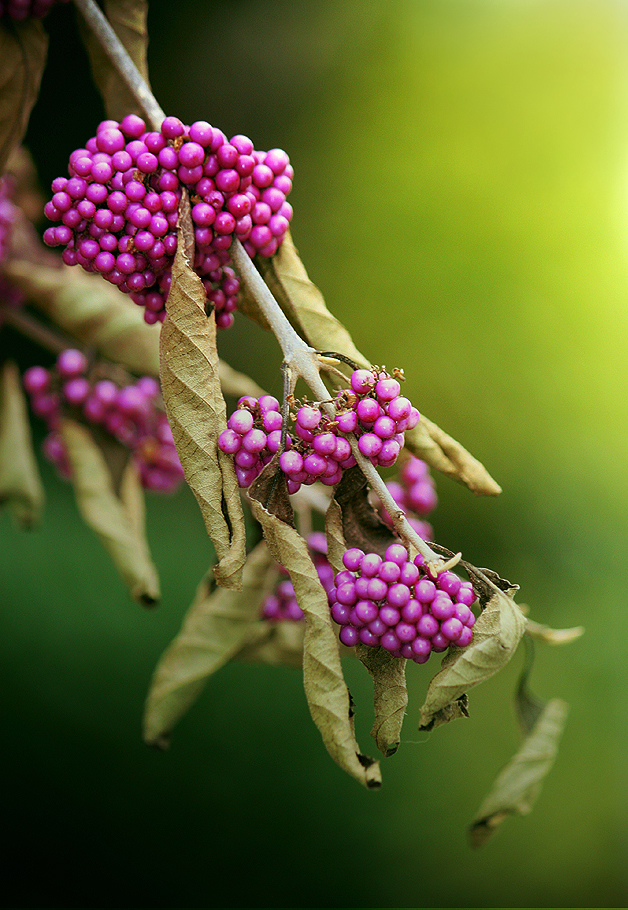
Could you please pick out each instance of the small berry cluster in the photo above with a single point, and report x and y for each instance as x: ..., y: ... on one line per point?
x: 396, y: 604
x: 282, y: 604
x: 372, y: 408
x: 20, y: 10
x: 415, y: 494
x: 117, y: 213
x: 128, y: 413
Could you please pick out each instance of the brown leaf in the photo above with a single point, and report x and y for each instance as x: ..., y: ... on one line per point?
x: 91, y: 310
x: 219, y: 624
x: 325, y: 688
x: 282, y: 646
x: 128, y: 20
x: 108, y: 516
x: 20, y: 484
x: 443, y: 453
x: 190, y: 383
x: 519, y: 783
x: 23, y: 52
x: 496, y: 634
x: 390, y: 695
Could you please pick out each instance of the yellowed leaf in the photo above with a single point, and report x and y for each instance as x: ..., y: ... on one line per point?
x: 219, y: 624
x: 20, y: 484
x: 107, y: 516
x: 23, y: 53
x: 190, y: 384
x: 390, y: 695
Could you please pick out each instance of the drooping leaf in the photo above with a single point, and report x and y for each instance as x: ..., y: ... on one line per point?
x: 23, y: 53
x: 325, y: 687
x: 282, y: 646
x: 107, y: 515
x: 219, y: 624
x: 20, y: 484
x: 519, y: 783
x: 190, y: 383
x: 428, y: 442
x: 496, y: 634
x: 390, y: 695
x: 89, y: 309
x: 336, y: 544
x: 553, y: 636
x: 128, y: 20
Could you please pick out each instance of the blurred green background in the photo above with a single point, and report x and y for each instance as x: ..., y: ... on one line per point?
x: 461, y: 199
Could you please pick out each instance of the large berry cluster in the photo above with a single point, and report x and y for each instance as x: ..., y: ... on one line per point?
x: 129, y: 413
x: 397, y: 604
x: 19, y: 10
x: 282, y: 604
x: 317, y: 448
x: 415, y: 494
x: 117, y: 212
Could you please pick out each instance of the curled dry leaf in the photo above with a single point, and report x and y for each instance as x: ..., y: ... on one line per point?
x: 128, y: 20
x: 219, y: 624
x: 282, y: 646
x: 190, y: 385
x: 116, y: 522
x: 519, y: 783
x: 20, y: 484
x: 23, y: 53
x: 89, y: 309
x: 390, y: 695
x: 496, y: 634
x: 553, y: 636
x: 325, y: 687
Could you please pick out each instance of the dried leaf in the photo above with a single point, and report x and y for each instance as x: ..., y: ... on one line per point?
x: 390, y: 695
x: 218, y: 625
x: 23, y: 52
x: 91, y: 310
x: 443, y: 453
x: 519, y: 783
x: 554, y: 636
x: 20, y: 484
x: 496, y: 634
x: 282, y: 646
x: 336, y: 544
x: 128, y: 20
x: 325, y: 688
x: 106, y: 514
x: 190, y: 383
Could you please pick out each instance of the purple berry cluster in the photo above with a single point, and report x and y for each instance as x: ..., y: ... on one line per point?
x: 117, y: 212
x: 415, y: 494
x: 397, y: 604
x: 20, y: 10
x: 317, y: 448
x: 129, y: 413
x: 282, y: 604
